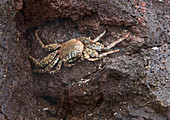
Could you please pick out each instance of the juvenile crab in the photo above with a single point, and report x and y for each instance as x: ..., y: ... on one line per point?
x: 75, y: 49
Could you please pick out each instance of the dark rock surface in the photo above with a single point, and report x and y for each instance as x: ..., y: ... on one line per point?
x: 130, y: 85
x: 16, y: 95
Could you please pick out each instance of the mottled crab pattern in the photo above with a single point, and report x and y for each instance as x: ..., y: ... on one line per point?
x: 75, y: 49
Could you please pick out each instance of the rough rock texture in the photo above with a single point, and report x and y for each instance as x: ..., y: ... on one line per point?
x: 130, y: 85
x: 16, y: 95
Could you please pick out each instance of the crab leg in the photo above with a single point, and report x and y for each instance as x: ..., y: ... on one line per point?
x: 57, y: 68
x: 87, y: 41
x: 50, y: 66
x: 116, y: 42
x: 50, y: 47
x: 69, y: 64
x: 98, y: 37
x: 45, y: 61
x: 100, y: 56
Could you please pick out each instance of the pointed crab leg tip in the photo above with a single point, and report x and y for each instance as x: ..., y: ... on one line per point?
x: 127, y: 35
x: 97, y: 38
x: 115, y: 51
x: 103, y: 32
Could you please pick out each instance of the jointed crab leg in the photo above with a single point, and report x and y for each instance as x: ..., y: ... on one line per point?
x: 50, y: 47
x: 100, y: 56
x: 45, y: 60
x: 50, y: 66
x: 116, y: 42
x: 57, y: 68
x: 69, y: 64
x: 98, y: 37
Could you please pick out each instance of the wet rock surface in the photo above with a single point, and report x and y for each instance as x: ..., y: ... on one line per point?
x: 130, y: 85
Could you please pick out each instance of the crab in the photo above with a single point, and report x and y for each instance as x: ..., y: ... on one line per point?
x: 71, y: 51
